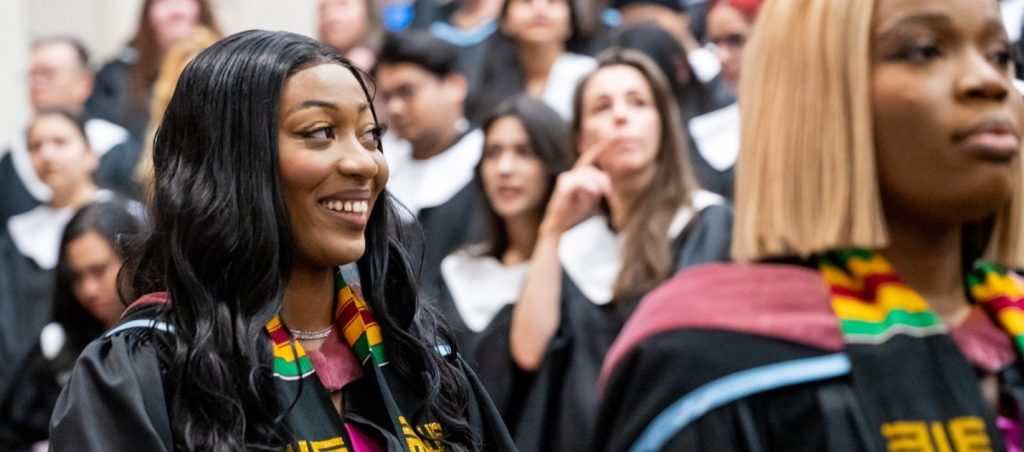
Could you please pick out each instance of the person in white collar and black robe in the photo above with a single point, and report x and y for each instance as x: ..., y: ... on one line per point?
x: 525, y: 149
x: 626, y: 217
x: 433, y: 157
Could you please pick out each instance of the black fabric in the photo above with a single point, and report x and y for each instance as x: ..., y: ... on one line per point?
x: 116, y: 170
x: 27, y: 404
x: 14, y: 197
x: 448, y: 227
x: 555, y: 407
x: 711, y: 179
x: 25, y: 307
x: 931, y: 385
x: 115, y: 401
x: 111, y: 97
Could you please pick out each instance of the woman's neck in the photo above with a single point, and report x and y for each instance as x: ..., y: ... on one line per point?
x: 928, y: 258
x: 627, y: 193
x: 537, y: 61
x: 309, y: 298
x: 75, y: 198
x: 522, y: 237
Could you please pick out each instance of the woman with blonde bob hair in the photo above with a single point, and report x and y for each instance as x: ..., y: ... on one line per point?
x: 624, y: 219
x: 878, y: 212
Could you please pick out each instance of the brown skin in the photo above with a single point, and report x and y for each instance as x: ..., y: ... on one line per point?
x: 515, y: 182
x: 422, y: 108
x: 540, y: 29
x: 94, y: 266
x: 62, y: 160
x: 57, y: 78
x: 941, y: 69
x: 726, y: 28
x: 328, y: 153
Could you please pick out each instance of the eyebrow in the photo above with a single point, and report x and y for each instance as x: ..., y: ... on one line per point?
x: 323, y: 104
x: 932, y: 19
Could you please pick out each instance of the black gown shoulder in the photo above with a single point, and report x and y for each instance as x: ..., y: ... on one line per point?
x: 555, y: 408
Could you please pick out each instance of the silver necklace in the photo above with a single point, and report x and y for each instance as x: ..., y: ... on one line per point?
x: 311, y: 335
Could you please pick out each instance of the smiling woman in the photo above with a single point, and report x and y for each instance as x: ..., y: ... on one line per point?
x: 247, y: 335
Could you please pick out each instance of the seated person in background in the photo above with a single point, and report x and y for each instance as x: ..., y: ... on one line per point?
x: 878, y: 205
x: 535, y: 52
x: 626, y: 217
x: 525, y: 149
x: 432, y: 161
x: 59, y: 77
x: 85, y: 304
x: 352, y: 27
x: 29, y: 245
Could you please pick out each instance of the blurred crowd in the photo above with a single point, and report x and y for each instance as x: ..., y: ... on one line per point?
x: 489, y: 105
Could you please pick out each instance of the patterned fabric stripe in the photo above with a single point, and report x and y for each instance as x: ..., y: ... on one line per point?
x: 290, y: 360
x: 872, y: 303
x: 1001, y: 293
x: 360, y: 329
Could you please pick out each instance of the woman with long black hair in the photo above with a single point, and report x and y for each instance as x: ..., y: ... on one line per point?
x: 269, y: 177
x: 85, y: 305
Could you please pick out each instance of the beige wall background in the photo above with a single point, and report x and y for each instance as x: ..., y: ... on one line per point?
x: 104, y: 26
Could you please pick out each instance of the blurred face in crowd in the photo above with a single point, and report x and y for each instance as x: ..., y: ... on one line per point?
x: 421, y: 106
x: 343, y: 23
x: 514, y: 178
x: 728, y: 31
x: 173, y: 20
x: 947, y: 120
x: 60, y: 154
x: 58, y: 78
x: 538, y: 22
x: 618, y: 107
x: 331, y: 168
x: 93, y: 265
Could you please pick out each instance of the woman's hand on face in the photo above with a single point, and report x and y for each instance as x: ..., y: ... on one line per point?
x: 577, y: 191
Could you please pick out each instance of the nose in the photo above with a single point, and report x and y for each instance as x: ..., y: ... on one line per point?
x: 980, y: 79
x: 88, y: 287
x: 620, y: 113
x: 506, y: 163
x: 357, y: 162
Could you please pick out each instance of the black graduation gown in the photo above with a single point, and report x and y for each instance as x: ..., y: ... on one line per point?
x: 15, y: 198
x: 447, y: 227
x: 26, y: 406
x: 111, y: 98
x: 713, y: 361
x: 25, y: 307
x: 115, y: 400
x: 554, y: 408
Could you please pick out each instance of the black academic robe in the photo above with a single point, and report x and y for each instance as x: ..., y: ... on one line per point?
x: 554, y: 408
x: 26, y: 405
x: 447, y: 227
x: 16, y: 199
x: 729, y: 358
x: 25, y: 307
x: 115, y: 400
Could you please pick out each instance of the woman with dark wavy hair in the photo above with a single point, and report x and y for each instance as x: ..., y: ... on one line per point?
x: 269, y: 178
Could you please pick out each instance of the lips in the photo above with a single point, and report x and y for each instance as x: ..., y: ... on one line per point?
x: 350, y: 207
x: 991, y: 139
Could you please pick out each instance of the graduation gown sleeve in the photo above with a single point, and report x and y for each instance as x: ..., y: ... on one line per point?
x: 114, y: 399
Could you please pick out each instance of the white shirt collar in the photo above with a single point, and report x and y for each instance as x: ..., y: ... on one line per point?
x: 422, y: 184
x: 717, y: 135
x: 591, y: 253
x: 481, y: 286
x: 36, y: 233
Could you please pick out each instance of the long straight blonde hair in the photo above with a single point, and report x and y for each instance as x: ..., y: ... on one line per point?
x: 807, y: 180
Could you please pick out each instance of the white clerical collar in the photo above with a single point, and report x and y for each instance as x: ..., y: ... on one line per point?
x: 481, y: 286
x: 591, y: 253
x: 36, y: 233
x: 717, y: 135
x: 422, y: 184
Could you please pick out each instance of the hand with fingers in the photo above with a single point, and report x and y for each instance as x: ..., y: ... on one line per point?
x: 577, y: 191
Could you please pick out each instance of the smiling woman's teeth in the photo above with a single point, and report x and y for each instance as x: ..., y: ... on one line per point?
x: 346, y: 206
